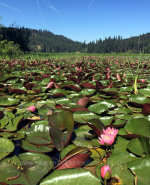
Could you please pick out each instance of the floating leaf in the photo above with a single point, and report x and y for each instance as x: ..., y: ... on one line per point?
x: 145, y: 91
x: 96, y: 125
x: 120, y: 145
x: 84, y: 117
x: 58, y: 92
x: 62, y: 124
x: 135, y: 146
x: 13, y: 125
x: 8, y: 101
x: 141, y: 168
x: 75, y: 159
x: 146, y: 109
x: 106, y: 120
x: 88, y: 85
x: 81, y: 141
x: 101, y: 106
x: 36, y: 148
x: 28, y: 169
x: 87, y: 92
x: 83, y: 101
x: 6, y: 147
x: 119, y: 170
x: 39, y: 135
x: 141, y: 99
x: 138, y: 126
x: 98, y: 108
x: 71, y: 176
x: 66, y: 150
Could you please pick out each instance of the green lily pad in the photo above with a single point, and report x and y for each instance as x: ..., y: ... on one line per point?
x: 98, y: 108
x: 3, y: 122
x: 63, y: 101
x: 35, y: 148
x: 13, y: 125
x: 126, y: 89
x: 141, y: 169
x: 139, y: 126
x: 135, y: 146
x: 145, y: 91
x: 139, y: 98
x: 71, y: 176
x: 28, y: 169
x: 81, y: 141
x: 84, y: 117
x: 120, y: 110
x: 6, y: 147
x: 87, y: 92
x: 39, y: 135
x: 101, y: 106
x: 119, y: 170
x: 106, y: 120
x: 119, y: 122
x: 8, y: 101
x: 120, y: 145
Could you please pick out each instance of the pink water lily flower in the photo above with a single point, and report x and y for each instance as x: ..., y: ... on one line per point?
x: 110, y: 131
x: 105, y: 172
x: 143, y: 80
x: 106, y: 139
x: 31, y: 108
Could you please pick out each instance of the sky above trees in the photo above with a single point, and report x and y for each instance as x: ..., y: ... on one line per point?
x: 79, y: 20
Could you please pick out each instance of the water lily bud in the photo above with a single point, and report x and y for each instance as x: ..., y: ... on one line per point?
x: 105, y: 172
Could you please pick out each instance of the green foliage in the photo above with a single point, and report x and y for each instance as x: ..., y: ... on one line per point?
x: 8, y: 48
x: 45, y: 41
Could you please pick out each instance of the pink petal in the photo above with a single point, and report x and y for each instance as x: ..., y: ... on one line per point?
x: 104, y: 170
x: 31, y: 108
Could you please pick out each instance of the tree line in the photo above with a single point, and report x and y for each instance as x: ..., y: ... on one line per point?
x: 32, y: 40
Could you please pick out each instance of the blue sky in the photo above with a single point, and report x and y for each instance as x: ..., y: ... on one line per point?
x: 79, y: 20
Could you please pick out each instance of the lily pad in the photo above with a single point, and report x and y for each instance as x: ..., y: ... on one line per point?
x: 28, y: 169
x: 39, y: 135
x: 62, y: 124
x: 35, y: 148
x: 71, y: 176
x: 138, y: 126
x: 84, y: 117
x: 141, y: 169
x: 119, y: 169
x: 8, y: 101
x: 6, y: 147
x: 135, y: 146
x: 139, y: 98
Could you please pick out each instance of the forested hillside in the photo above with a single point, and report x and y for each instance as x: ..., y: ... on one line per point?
x: 46, y: 41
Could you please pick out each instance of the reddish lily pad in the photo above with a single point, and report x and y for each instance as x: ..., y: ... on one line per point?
x: 75, y: 159
x: 62, y: 124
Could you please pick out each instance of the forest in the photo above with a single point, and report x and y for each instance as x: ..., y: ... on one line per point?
x: 32, y: 40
